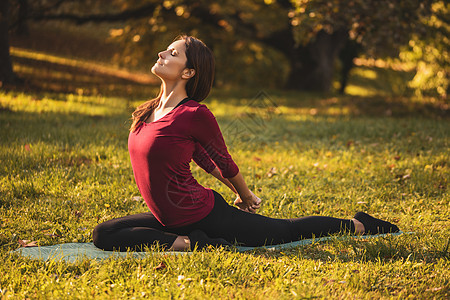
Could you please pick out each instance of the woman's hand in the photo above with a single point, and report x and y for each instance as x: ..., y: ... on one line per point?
x: 249, y: 204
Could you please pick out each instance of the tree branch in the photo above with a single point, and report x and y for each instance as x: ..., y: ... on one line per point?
x: 141, y: 12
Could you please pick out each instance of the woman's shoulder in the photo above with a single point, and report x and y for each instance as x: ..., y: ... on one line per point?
x: 191, y: 111
x: 196, y: 108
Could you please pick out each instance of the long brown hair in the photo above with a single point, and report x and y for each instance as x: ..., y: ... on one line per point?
x: 200, y: 58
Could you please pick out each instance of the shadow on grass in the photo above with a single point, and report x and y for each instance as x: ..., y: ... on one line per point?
x: 69, y: 129
x: 253, y: 126
x: 412, y: 247
x: 54, y: 77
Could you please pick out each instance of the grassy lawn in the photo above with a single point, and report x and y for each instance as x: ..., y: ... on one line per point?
x: 65, y: 168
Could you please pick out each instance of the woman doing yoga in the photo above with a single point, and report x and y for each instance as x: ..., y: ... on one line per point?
x: 166, y: 134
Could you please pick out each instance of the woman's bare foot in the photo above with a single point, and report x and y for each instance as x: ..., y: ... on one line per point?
x: 359, y: 227
x: 181, y: 243
x: 196, y: 239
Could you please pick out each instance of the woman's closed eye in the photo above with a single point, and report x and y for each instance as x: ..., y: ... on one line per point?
x: 173, y: 52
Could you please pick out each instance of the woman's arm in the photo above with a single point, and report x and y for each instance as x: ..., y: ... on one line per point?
x: 247, y: 200
x: 252, y: 202
x: 205, y: 130
x: 216, y: 173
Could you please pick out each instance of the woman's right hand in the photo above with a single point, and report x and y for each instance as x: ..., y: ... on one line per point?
x: 249, y: 204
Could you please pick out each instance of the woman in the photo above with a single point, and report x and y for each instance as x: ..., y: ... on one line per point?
x: 166, y: 134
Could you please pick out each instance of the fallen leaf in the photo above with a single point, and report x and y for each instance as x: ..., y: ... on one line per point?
x: 27, y: 243
x: 161, y: 266
x: 272, y: 172
x: 255, y: 158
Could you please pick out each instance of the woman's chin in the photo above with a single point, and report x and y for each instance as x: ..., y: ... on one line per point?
x: 154, y: 70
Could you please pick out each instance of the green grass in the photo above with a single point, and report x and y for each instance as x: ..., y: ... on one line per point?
x: 65, y: 168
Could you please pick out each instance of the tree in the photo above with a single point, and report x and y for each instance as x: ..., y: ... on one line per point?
x: 310, y: 34
x: 6, y: 72
x: 429, y: 52
x: 297, y: 41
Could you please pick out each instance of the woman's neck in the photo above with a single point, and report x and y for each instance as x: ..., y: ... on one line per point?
x: 172, y: 94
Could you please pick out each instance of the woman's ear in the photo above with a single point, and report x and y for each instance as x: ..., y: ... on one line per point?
x: 188, y: 73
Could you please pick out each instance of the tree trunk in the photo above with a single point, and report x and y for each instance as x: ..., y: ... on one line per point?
x: 7, y: 75
x: 349, y: 52
x: 312, y: 65
x: 22, y: 22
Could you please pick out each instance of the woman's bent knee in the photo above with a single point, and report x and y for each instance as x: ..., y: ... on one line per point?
x: 100, y: 237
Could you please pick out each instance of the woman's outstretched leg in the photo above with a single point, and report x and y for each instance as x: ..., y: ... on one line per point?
x: 132, y: 232
x: 249, y: 229
x: 254, y: 230
x: 362, y: 223
x: 318, y: 226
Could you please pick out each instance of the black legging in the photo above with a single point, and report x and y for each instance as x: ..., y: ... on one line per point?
x: 224, y: 221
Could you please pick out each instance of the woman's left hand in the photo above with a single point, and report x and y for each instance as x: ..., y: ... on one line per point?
x: 250, y: 204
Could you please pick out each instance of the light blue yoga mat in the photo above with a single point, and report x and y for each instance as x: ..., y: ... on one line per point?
x: 72, y: 252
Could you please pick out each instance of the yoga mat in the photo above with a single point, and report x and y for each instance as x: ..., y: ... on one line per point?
x: 72, y: 252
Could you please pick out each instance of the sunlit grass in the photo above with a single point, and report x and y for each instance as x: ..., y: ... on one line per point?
x: 84, y: 65
x: 66, y: 104
x: 61, y: 74
x: 355, y: 90
x: 65, y: 167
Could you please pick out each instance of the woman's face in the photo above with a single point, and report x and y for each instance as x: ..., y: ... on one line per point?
x: 172, y: 62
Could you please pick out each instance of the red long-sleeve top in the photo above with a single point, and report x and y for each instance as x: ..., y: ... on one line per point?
x: 160, y: 154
